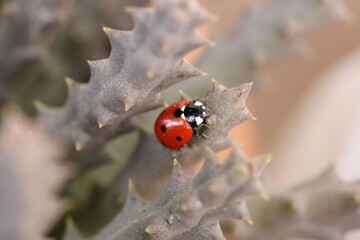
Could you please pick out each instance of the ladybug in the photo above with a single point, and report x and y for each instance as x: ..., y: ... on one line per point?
x: 176, y: 125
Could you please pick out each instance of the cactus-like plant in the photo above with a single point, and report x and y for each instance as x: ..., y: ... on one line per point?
x: 30, y: 179
x: 142, y: 63
x: 227, y: 107
x: 267, y: 34
x: 324, y: 208
x: 25, y: 27
x: 190, y: 207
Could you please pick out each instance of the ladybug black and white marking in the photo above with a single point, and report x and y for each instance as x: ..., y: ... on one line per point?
x: 176, y: 125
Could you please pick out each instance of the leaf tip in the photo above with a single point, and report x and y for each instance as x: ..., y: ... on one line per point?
x: 202, y: 74
x: 183, y: 95
x: 213, y: 84
x: 90, y: 63
x: 150, y: 74
x: 149, y: 229
x: 127, y: 106
x: 38, y: 104
x: 248, y: 221
x: 107, y: 30
x: 210, y: 43
x: 212, y: 188
x: 79, y: 147
x: 69, y: 81
x: 101, y: 124
x: 129, y: 9
x: 175, y: 162
x: 131, y: 185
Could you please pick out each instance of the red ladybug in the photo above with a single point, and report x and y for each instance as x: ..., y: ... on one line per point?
x: 176, y: 125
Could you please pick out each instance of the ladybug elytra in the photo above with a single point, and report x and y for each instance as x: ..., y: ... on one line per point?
x: 176, y: 125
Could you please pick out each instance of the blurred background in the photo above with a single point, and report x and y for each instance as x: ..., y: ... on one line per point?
x: 304, y: 93
x: 307, y: 106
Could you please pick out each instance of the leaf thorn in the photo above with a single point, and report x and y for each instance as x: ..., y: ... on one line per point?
x: 78, y: 146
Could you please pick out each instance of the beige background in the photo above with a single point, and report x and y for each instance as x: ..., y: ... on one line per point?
x: 290, y: 79
x: 279, y: 103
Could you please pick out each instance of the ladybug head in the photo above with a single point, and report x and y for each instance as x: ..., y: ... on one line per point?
x: 195, y: 113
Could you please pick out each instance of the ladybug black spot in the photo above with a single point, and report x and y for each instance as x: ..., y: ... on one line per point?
x: 177, y: 113
x: 178, y: 138
x: 163, y: 128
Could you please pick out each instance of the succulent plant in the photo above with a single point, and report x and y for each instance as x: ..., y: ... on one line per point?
x: 29, y: 179
x: 267, y: 34
x: 129, y: 81
x: 191, y: 207
x: 227, y: 107
x: 25, y: 27
x: 324, y: 208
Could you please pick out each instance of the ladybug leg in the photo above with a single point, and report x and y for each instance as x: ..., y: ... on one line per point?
x: 204, y: 136
x: 208, y: 112
x: 196, y: 133
x: 205, y: 125
x: 180, y: 148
